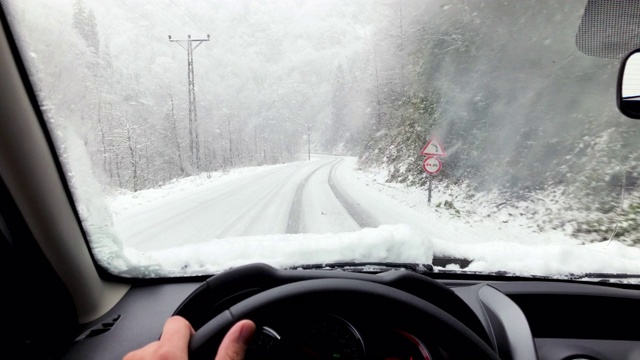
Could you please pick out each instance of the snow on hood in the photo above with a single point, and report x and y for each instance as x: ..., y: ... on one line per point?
x: 387, y: 243
x: 544, y: 259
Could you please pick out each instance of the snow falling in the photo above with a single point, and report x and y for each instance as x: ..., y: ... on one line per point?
x: 202, y: 135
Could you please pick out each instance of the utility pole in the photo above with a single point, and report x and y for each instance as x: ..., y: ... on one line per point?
x: 309, y: 140
x: 309, y: 127
x: 188, y: 45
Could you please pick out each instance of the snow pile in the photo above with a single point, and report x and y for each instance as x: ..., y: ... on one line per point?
x: 387, y: 243
x: 544, y: 259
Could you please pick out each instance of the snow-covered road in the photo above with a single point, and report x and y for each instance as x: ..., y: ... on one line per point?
x: 300, y: 197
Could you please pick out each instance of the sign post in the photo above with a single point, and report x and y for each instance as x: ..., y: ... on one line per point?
x: 432, y: 163
x: 429, y: 196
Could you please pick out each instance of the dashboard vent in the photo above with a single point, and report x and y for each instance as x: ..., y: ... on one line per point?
x: 99, y: 329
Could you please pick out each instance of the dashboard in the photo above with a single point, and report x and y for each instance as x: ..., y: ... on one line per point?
x: 330, y: 336
x: 520, y: 319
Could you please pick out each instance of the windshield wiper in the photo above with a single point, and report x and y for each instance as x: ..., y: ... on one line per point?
x: 369, y: 267
x: 378, y: 267
x: 444, y: 261
x: 438, y: 264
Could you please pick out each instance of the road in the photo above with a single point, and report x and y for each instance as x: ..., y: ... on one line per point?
x: 301, y: 197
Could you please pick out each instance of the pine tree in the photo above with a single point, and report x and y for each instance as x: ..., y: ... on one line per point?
x: 84, y: 22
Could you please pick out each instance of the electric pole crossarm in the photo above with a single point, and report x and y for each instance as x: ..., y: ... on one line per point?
x: 178, y: 40
x: 189, y: 39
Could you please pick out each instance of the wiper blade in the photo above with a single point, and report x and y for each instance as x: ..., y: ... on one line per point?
x: 378, y: 267
x: 605, y: 277
x: 444, y: 261
x: 371, y: 267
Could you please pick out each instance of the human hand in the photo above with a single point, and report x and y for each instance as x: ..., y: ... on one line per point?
x: 174, y: 342
x: 234, y: 344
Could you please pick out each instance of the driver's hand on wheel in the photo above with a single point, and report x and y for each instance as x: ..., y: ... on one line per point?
x: 235, y: 343
x: 174, y: 342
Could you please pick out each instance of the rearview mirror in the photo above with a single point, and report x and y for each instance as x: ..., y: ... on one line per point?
x: 629, y: 85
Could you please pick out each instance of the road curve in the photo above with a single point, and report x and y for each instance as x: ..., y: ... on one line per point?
x: 301, y: 197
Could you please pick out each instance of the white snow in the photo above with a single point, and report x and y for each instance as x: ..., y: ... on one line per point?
x: 205, y: 224
x: 396, y: 243
x: 125, y: 200
x: 90, y: 201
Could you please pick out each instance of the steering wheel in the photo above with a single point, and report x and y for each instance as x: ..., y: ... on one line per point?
x: 391, y: 305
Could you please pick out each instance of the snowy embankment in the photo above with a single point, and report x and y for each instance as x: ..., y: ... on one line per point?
x: 495, y: 241
x: 409, y: 229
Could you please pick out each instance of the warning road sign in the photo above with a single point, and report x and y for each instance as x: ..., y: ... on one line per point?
x: 433, y: 147
x: 432, y: 165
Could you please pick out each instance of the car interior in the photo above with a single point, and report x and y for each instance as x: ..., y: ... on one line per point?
x: 61, y: 303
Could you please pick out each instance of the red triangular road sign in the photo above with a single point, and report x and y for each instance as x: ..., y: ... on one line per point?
x: 433, y: 147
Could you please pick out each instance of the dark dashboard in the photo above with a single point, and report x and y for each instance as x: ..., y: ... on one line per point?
x: 331, y: 336
x: 520, y: 319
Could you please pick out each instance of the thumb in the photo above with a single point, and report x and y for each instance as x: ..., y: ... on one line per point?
x: 234, y: 344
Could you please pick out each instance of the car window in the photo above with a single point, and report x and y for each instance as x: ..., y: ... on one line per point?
x: 196, y: 136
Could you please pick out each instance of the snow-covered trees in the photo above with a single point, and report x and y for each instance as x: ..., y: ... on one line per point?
x: 84, y: 22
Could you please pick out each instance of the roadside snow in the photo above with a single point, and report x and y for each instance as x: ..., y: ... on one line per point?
x: 495, y: 241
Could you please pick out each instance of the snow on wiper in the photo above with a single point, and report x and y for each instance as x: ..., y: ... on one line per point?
x: 369, y: 267
x: 607, y: 277
x: 378, y: 267
x: 616, y: 278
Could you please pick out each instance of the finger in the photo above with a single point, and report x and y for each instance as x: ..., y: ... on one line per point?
x: 176, y: 333
x: 141, y: 353
x: 234, y: 344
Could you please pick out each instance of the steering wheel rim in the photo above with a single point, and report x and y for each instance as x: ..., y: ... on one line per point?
x: 205, y: 342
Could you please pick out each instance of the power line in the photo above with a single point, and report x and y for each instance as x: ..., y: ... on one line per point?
x: 147, y: 18
x: 167, y: 17
x: 188, y: 17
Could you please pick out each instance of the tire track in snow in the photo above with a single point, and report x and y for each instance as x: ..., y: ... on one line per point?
x: 358, y: 212
x: 245, y: 223
x: 255, y: 210
x: 294, y: 222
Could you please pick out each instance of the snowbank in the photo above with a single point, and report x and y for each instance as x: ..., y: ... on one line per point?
x: 394, y: 243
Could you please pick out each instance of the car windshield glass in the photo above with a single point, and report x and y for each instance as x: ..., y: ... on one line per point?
x: 196, y: 136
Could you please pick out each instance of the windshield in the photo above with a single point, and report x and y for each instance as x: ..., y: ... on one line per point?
x: 202, y: 135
